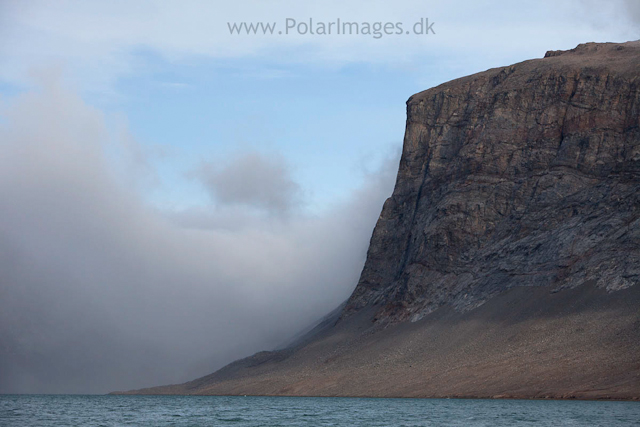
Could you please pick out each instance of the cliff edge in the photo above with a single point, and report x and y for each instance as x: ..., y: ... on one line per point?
x: 519, y: 176
x: 506, y: 262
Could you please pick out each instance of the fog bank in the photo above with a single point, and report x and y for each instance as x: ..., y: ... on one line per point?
x: 100, y: 291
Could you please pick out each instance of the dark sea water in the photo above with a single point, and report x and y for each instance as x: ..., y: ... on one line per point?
x: 73, y: 410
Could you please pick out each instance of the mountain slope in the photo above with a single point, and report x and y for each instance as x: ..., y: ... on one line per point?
x: 506, y: 261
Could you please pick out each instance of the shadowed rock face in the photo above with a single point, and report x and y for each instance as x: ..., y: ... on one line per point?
x: 527, y: 175
x: 511, y: 242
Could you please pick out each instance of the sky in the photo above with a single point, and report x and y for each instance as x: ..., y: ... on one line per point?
x: 174, y: 196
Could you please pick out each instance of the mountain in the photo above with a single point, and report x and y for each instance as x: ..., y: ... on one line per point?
x: 506, y: 263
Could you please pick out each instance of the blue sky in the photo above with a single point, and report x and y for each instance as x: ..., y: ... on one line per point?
x: 329, y: 124
x: 170, y: 189
x: 331, y: 106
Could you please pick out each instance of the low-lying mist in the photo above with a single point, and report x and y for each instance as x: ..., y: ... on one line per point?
x: 101, y: 291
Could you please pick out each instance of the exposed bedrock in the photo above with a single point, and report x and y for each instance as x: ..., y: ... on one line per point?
x: 527, y: 175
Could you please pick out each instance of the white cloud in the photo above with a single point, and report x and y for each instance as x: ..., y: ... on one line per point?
x: 252, y: 179
x: 100, y: 40
x: 99, y: 291
x: 633, y: 12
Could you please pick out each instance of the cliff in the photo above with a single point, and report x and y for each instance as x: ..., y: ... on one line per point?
x: 506, y: 261
x: 520, y: 176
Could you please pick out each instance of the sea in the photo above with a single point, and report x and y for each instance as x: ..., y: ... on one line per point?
x: 77, y: 410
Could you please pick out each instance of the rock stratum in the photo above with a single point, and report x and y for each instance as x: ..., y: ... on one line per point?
x: 506, y: 263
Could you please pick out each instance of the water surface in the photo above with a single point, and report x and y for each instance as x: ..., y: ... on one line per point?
x: 74, y: 410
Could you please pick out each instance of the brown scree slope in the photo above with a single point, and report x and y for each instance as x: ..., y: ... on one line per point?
x: 506, y: 262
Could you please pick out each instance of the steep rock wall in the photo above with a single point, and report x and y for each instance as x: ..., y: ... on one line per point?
x: 526, y: 175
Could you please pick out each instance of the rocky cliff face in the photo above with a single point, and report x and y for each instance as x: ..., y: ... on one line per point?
x: 511, y: 240
x: 527, y: 175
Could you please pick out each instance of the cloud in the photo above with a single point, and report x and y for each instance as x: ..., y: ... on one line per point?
x: 633, y: 9
x: 254, y: 180
x: 103, y: 41
x: 623, y: 14
x: 99, y: 291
